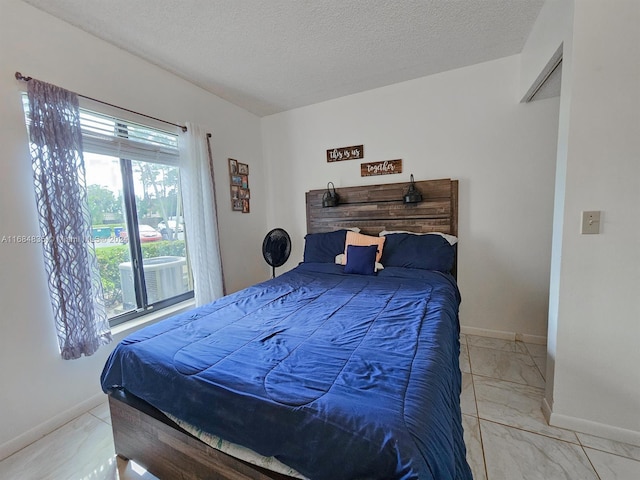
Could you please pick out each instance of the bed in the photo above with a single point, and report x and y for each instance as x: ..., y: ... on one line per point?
x: 331, y: 374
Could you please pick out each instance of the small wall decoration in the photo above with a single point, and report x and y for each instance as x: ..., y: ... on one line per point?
x: 384, y: 167
x: 239, y: 183
x: 236, y: 180
x: 345, y: 153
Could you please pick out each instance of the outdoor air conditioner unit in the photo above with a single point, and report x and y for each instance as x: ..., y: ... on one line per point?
x: 163, y: 276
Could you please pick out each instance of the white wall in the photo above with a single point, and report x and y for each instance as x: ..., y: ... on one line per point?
x: 39, y: 390
x: 466, y: 124
x: 594, y: 328
x: 552, y: 33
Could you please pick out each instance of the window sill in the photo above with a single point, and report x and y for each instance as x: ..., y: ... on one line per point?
x: 126, y: 328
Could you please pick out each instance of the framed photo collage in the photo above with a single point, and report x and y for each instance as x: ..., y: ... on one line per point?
x: 239, y: 182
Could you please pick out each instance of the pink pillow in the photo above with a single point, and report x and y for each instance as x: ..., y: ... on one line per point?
x: 361, y: 240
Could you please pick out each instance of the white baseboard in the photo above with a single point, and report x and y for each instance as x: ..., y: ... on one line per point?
x: 36, y: 433
x: 592, y: 428
x: 533, y: 339
x: 485, y: 332
x: 546, y: 410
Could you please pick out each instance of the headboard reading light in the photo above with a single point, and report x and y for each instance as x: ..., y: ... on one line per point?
x: 330, y: 197
x: 412, y: 195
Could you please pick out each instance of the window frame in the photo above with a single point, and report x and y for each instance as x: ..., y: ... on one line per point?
x: 164, y: 153
x: 137, y: 261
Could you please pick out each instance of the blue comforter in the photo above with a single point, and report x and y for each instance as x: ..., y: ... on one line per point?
x: 338, y: 376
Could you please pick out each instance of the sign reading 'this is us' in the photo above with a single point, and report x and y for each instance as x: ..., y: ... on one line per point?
x: 345, y: 153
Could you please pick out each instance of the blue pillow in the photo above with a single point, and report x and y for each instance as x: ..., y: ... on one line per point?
x: 361, y: 259
x: 323, y: 247
x: 427, y: 252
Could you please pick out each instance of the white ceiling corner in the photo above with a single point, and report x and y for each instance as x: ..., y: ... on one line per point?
x: 272, y: 56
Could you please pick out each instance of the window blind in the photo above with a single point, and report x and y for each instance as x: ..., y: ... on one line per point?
x: 116, y: 137
x: 124, y: 139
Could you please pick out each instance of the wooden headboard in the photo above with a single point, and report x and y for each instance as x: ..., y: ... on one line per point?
x: 374, y: 208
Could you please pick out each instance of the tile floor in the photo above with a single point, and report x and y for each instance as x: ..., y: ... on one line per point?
x: 506, y: 434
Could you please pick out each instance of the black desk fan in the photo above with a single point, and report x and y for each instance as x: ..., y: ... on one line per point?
x: 276, y: 248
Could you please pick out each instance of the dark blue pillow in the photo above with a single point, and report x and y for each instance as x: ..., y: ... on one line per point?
x: 361, y: 260
x: 427, y: 252
x: 323, y: 247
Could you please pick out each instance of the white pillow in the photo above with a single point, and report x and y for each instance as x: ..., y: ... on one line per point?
x: 340, y: 261
x: 449, y: 238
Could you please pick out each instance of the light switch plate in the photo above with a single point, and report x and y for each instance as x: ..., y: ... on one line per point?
x: 590, y: 222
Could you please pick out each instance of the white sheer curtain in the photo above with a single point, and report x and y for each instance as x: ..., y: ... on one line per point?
x: 201, y: 224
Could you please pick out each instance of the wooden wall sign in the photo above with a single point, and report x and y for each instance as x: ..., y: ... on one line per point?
x: 345, y: 153
x: 385, y: 167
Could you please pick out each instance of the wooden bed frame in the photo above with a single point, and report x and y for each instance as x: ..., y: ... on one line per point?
x: 144, y: 434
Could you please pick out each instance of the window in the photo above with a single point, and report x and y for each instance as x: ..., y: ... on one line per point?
x: 131, y: 173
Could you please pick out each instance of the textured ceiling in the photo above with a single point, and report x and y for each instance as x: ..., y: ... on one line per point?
x: 272, y: 56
